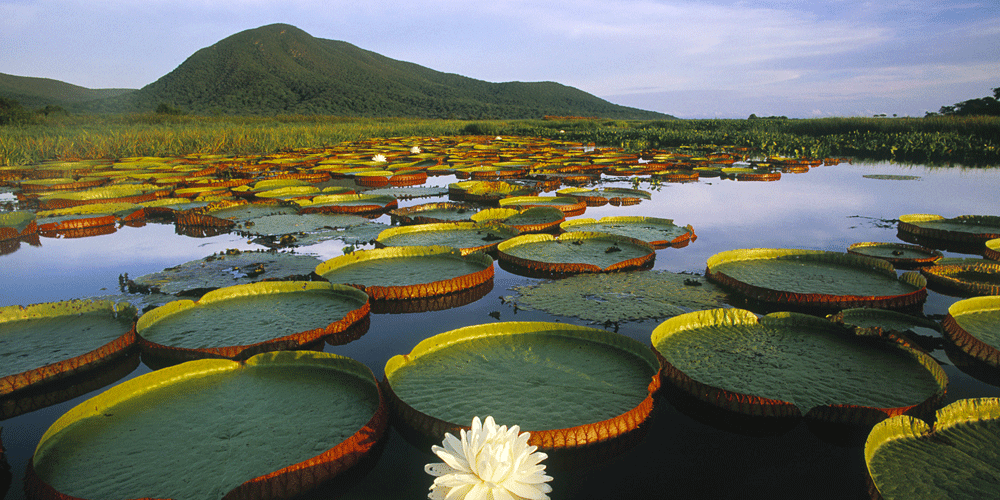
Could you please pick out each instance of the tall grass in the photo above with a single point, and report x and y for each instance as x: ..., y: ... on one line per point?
x: 968, y: 140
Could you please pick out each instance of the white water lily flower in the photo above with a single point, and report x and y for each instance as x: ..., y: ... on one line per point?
x: 489, y: 462
x: 379, y: 158
x: 415, y: 150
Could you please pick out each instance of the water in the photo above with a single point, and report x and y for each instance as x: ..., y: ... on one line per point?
x: 686, y: 454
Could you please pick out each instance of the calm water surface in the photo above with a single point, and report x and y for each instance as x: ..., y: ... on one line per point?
x: 686, y: 454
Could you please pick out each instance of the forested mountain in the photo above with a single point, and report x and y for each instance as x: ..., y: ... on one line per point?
x: 280, y: 69
x: 40, y: 92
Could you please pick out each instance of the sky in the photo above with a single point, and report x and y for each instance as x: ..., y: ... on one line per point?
x: 690, y: 59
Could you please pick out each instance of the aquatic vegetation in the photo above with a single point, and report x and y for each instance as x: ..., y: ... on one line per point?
x: 468, y: 237
x: 241, y: 320
x: 402, y: 273
x: 955, y: 457
x: 980, y: 278
x: 661, y: 233
x: 972, y: 325
x: 814, y: 278
x: 790, y: 364
x: 900, y: 255
x: 45, y: 342
x: 226, y: 269
x: 575, y: 252
x: 605, y: 382
x: 175, y: 430
x: 618, y: 297
x: 962, y: 229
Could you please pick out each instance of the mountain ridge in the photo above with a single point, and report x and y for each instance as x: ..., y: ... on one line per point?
x: 280, y: 69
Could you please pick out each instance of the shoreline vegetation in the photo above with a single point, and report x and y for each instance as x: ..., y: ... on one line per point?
x: 934, y: 140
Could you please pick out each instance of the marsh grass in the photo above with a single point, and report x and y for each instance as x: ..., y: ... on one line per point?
x: 966, y: 140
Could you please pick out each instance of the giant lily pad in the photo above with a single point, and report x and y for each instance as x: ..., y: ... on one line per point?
x: 961, y: 229
x: 274, y: 426
x: 469, y: 237
x: 228, y: 268
x: 955, y: 458
x: 900, y: 255
x: 431, y: 213
x: 408, y: 272
x: 790, y: 364
x: 602, y: 196
x: 981, y: 278
x: 44, y: 342
x: 992, y: 250
x: 974, y: 326
x: 576, y: 252
x: 570, y: 386
x: 660, y: 233
x: 66, y: 220
x: 617, y: 297
x: 17, y: 224
x: 815, y: 278
x: 242, y: 320
x: 273, y: 225
x: 568, y: 205
x: 348, y: 203
x: 529, y: 220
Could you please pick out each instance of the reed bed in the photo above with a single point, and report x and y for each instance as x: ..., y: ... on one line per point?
x: 942, y: 139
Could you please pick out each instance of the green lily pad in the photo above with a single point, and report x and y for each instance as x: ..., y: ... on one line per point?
x: 568, y: 205
x: 955, y: 458
x: 406, y: 193
x: 234, y: 321
x: 973, y: 324
x: 785, y: 364
x: 619, y: 297
x: 348, y: 203
x: 981, y: 278
x: 529, y: 220
x: 273, y: 225
x: 570, y: 386
x: 226, y: 269
x: 815, y: 278
x: 962, y: 229
x: 660, y: 233
x: 43, y: 342
x: 575, y: 252
x: 408, y: 272
x: 280, y: 423
x: 468, y: 237
x: 431, y: 213
x: 486, y: 191
x: 16, y: 224
x: 992, y: 250
x: 900, y: 255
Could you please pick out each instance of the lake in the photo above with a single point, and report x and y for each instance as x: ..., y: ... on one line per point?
x: 687, y: 453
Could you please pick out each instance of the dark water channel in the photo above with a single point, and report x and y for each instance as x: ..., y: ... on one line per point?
x: 688, y: 453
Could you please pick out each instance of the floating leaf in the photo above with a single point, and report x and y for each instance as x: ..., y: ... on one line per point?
x: 469, y: 237
x: 787, y: 364
x: 974, y: 326
x: 815, y: 278
x: 176, y: 432
x: 956, y: 458
x: 575, y: 252
x: 235, y: 321
x: 618, y: 297
x: 44, y: 342
x: 227, y: 269
x: 900, y: 255
x: 409, y: 272
x: 660, y: 233
x: 569, y: 386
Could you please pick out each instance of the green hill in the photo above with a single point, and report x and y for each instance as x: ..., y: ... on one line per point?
x: 280, y: 69
x: 40, y: 92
